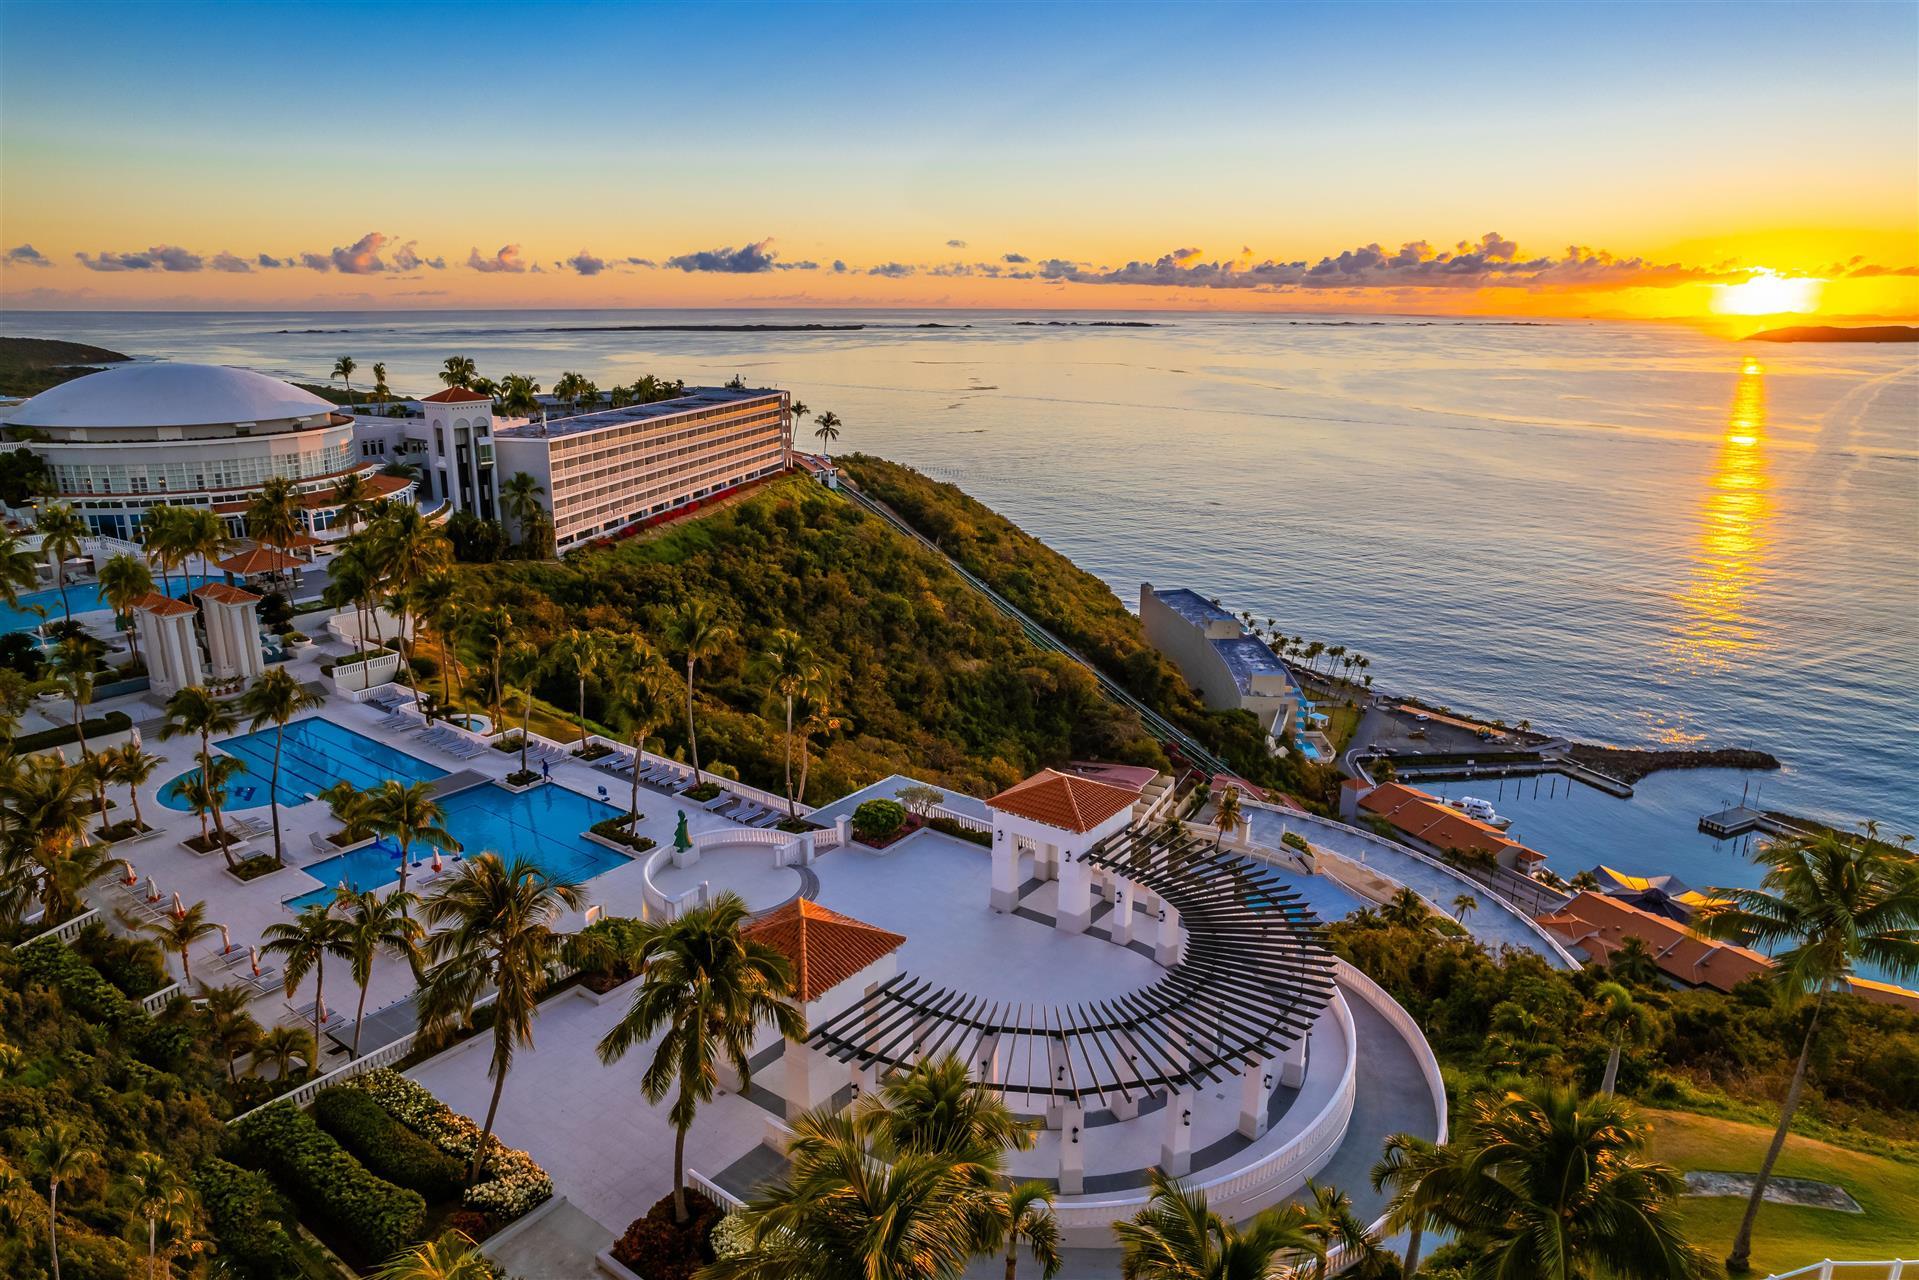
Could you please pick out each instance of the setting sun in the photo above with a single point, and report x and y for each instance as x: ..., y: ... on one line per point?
x: 1767, y: 294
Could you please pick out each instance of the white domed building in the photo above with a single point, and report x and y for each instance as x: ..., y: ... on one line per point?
x: 136, y: 436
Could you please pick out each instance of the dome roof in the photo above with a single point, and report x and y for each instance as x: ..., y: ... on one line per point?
x: 168, y: 395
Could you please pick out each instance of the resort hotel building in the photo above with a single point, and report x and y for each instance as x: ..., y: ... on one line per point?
x: 1229, y: 668
x: 132, y: 437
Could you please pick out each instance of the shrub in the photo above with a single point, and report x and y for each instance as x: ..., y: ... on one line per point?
x: 132, y: 965
x: 659, y: 1248
x: 244, y: 1212
x: 85, y: 992
x: 702, y: 793
x: 61, y: 735
x: 878, y: 819
x: 1294, y: 840
x: 618, y: 831
x: 514, y: 1181
x: 255, y: 866
x: 310, y: 1165
x: 952, y: 827
x: 386, y: 1146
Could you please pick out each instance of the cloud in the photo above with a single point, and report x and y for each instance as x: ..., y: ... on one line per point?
x: 27, y: 256
x: 892, y: 270
x: 839, y: 267
x: 1492, y: 261
x: 361, y: 258
x: 1870, y: 270
x: 407, y: 258
x: 506, y: 260
x: 1017, y: 259
x: 956, y: 244
x: 584, y: 263
x: 161, y: 257
x: 641, y: 262
x: 268, y: 262
x: 224, y: 261
x: 797, y: 266
x: 746, y: 260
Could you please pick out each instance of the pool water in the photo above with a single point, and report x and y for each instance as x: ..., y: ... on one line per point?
x: 543, y: 825
x: 317, y: 753
x: 84, y: 597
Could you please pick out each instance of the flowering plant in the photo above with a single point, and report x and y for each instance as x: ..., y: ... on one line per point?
x: 515, y: 1182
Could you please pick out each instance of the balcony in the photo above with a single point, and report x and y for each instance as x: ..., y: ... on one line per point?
x: 483, y: 453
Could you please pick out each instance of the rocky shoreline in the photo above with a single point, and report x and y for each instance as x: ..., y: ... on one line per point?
x: 1631, y: 764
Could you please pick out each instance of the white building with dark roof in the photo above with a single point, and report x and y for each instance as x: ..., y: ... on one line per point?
x: 1229, y: 667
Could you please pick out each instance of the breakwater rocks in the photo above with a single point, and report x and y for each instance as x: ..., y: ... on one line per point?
x: 1630, y: 764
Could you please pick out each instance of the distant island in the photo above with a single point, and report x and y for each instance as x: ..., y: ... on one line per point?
x: 29, y: 366
x: 1089, y: 324
x: 1839, y: 333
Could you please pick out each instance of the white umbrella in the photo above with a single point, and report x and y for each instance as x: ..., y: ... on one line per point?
x: 153, y: 890
x: 253, y: 954
x: 179, y: 908
x: 226, y: 940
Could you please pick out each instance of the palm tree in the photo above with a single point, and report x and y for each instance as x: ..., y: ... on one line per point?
x: 1633, y: 963
x: 1177, y: 1237
x: 74, y: 659
x: 1407, y: 910
x: 827, y: 428
x: 155, y: 1192
x: 519, y: 396
x: 499, y: 934
x: 274, y: 516
x: 640, y: 692
x: 352, y: 808
x: 1030, y: 1221
x: 60, y: 1155
x: 71, y: 871
x: 800, y: 412
x: 409, y: 815
x: 230, y: 1024
x: 194, y: 710
x: 124, y: 580
x: 1620, y: 1018
x: 488, y: 631
x: 1545, y: 1184
x: 520, y: 498
x: 789, y: 669
x: 1227, y: 817
x: 837, y: 1212
x: 19, y: 568
x: 202, y: 533
x: 435, y: 603
x: 343, y: 370
x: 177, y: 932
x: 697, y: 632
x: 281, y: 1046
x: 453, y: 1256
x: 814, y: 717
x: 1348, y: 1243
x: 162, y: 532
x: 587, y: 393
x: 275, y: 699
x: 47, y: 809
x: 306, y: 941
x: 413, y: 549
x: 1833, y: 901
x: 352, y: 498
x: 381, y: 392
x: 709, y: 988
x: 131, y: 767
x: 375, y: 925
x: 586, y: 652
x: 62, y: 538
x: 938, y: 1108
x: 1464, y: 904
x: 458, y: 371
x: 567, y: 387
x: 206, y: 796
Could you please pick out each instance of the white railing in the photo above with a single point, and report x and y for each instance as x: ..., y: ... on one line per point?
x: 1395, y: 1013
x: 712, y: 1190
x: 1890, y: 1269
x: 68, y: 930
x: 742, y: 835
x: 659, y: 904
x: 385, y: 1055
x: 966, y: 820
x: 161, y: 998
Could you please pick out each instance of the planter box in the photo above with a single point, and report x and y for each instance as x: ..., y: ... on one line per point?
x: 622, y: 992
x: 358, y: 677
x: 609, y: 1267
x: 237, y: 846
x: 259, y: 879
x: 516, y: 789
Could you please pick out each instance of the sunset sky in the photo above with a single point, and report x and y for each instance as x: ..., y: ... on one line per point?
x: 1557, y: 160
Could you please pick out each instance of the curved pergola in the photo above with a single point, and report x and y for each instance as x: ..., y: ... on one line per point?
x: 1250, y: 981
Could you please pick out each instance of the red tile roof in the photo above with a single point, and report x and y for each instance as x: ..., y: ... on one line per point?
x: 453, y: 395
x: 1421, y: 815
x: 260, y: 560
x: 825, y: 947
x: 163, y: 606
x: 223, y: 593
x: 1061, y: 800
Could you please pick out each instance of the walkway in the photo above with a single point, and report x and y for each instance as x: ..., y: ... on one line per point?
x: 1497, y: 923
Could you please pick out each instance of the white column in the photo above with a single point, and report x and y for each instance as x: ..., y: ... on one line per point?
x: 1075, y: 910
x: 194, y: 669
x: 1167, y: 949
x: 252, y: 661
x: 1292, y: 1064
x: 1005, y: 870
x: 1255, y: 1089
x: 1058, y: 1075
x: 986, y: 1063
x: 1176, y: 1146
x: 1121, y: 928
x: 1072, y: 1151
x: 808, y: 1077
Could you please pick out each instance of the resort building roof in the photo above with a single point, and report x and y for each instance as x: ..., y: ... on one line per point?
x: 224, y: 593
x: 162, y: 606
x: 1062, y: 800
x: 825, y: 947
x: 259, y: 560
x: 1422, y: 816
x: 1135, y: 776
x: 695, y: 399
x: 1192, y: 606
x: 454, y: 395
x: 1246, y: 657
x: 170, y: 395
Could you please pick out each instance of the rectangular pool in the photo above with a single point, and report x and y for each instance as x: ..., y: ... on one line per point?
x: 84, y: 597
x: 543, y: 825
x: 317, y: 754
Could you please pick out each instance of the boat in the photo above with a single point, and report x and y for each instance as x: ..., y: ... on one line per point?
x: 1481, y: 811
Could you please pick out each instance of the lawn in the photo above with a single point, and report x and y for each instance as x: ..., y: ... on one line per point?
x: 1788, y: 1236
x: 1341, y: 721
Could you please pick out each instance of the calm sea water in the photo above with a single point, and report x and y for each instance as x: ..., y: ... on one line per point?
x: 1635, y: 534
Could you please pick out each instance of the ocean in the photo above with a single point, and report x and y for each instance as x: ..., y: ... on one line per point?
x: 1634, y: 534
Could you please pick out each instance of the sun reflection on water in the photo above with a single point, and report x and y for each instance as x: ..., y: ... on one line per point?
x: 1731, y: 548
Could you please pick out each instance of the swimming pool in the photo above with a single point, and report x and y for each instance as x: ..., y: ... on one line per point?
x: 317, y: 754
x: 542, y: 825
x: 83, y: 596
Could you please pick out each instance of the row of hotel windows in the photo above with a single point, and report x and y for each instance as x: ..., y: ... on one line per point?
x: 628, y: 430
x: 578, y: 531
x: 619, y: 440
x: 655, y: 452
x: 592, y: 486
x: 620, y: 504
x: 199, y: 474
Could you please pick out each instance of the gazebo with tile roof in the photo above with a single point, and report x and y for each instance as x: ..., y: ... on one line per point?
x: 172, y: 650
x: 1056, y: 817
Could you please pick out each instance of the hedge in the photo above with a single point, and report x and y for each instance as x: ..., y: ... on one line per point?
x: 514, y: 1182
x: 386, y: 1146
x: 242, y: 1207
x: 378, y: 1216
x: 877, y: 819
x: 61, y: 735
x: 81, y: 987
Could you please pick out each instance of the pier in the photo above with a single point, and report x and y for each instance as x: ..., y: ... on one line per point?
x: 1741, y: 818
x: 1411, y: 769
